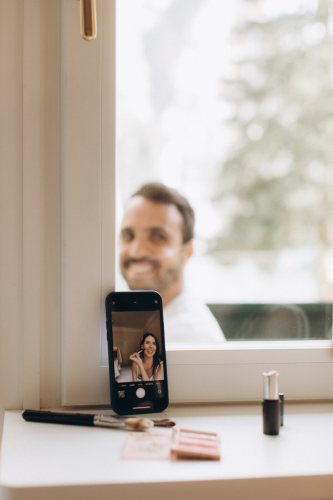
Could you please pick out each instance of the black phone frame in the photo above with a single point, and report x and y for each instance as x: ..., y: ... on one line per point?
x: 136, y: 300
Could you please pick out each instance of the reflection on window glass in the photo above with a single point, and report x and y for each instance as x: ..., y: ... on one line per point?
x: 231, y: 103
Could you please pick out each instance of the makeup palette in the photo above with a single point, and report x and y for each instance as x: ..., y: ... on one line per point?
x: 187, y: 443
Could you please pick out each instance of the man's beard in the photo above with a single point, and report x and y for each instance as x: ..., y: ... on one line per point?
x: 163, y: 279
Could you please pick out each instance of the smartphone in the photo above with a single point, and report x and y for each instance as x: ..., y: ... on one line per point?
x: 136, y: 346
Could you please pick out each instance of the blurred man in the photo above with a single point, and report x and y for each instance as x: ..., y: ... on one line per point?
x: 154, y: 245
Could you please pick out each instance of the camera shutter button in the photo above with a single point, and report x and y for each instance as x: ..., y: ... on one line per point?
x: 140, y: 393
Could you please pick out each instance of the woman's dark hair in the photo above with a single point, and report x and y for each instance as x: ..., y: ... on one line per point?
x: 158, y: 192
x: 156, y: 357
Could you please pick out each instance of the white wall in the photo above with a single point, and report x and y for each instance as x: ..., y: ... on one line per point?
x: 10, y: 206
x: 30, y: 116
x: 11, y: 238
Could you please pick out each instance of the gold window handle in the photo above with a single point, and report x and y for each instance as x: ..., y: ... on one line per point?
x: 88, y: 21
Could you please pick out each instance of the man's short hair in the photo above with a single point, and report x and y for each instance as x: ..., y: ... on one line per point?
x: 158, y: 192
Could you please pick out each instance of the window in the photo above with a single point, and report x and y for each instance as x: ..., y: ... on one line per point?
x: 223, y: 107
x: 233, y: 372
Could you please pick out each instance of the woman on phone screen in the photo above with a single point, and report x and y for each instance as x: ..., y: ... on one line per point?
x: 146, y: 363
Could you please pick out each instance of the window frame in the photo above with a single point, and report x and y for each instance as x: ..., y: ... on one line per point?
x: 231, y: 372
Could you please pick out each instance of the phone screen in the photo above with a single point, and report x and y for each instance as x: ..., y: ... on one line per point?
x: 138, y: 376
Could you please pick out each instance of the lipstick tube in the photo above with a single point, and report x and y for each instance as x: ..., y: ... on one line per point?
x: 271, y: 404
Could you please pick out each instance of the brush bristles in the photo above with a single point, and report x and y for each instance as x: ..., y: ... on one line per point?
x: 170, y: 423
x: 163, y: 422
x: 139, y: 424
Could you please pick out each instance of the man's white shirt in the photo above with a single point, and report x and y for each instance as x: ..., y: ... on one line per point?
x: 187, y: 319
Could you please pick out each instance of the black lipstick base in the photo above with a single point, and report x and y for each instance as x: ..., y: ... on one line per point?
x: 271, y: 416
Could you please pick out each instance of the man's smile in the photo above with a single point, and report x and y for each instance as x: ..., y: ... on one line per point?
x: 141, y: 266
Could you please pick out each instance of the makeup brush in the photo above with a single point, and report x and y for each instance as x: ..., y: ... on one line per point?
x: 86, y: 419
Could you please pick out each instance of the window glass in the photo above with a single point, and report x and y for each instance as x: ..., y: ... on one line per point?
x: 231, y: 104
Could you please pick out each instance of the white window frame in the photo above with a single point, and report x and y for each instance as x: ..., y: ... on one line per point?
x: 232, y: 372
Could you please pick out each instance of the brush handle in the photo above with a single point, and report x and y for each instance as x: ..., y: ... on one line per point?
x: 52, y: 417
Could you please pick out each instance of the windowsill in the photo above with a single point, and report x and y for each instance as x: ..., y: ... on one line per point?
x: 55, y: 461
